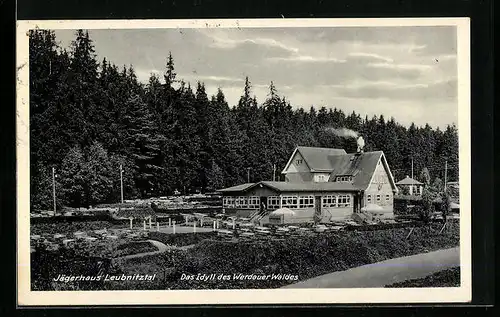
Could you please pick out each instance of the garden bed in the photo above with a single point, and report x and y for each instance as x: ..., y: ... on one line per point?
x: 180, y: 240
x: 69, y: 227
x: 446, y: 278
x: 303, y: 256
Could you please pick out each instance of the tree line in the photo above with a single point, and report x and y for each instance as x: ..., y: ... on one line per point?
x: 89, y: 117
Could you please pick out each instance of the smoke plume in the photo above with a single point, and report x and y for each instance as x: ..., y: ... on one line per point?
x: 343, y: 132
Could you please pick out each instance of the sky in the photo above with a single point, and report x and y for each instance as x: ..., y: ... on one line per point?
x: 409, y: 73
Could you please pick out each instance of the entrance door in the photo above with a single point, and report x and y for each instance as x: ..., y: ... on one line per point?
x: 263, y: 204
x: 356, y: 203
x: 317, y: 208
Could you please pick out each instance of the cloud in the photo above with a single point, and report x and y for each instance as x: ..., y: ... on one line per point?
x: 368, y: 57
x: 420, y: 67
x: 307, y: 59
x: 212, y: 80
x: 444, y: 90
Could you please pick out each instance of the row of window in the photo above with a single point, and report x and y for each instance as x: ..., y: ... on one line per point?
x: 377, y: 197
x: 343, y: 179
x: 336, y: 201
x: 244, y: 202
x: 292, y: 202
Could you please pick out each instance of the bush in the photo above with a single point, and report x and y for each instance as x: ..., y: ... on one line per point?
x: 180, y: 240
x: 134, y: 248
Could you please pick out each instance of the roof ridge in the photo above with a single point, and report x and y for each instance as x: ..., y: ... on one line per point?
x: 319, y: 147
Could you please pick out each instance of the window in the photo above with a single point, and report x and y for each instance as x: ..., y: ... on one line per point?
x: 306, y: 201
x: 344, y: 200
x: 387, y: 197
x: 228, y: 202
x: 289, y: 201
x: 369, y: 198
x: 273, y: 202
x: 342, y: 179
x: 242, y: 202
x: 329, y: 201
x: 378, y: 198
x: 253, y: 202
x: 299, y: 161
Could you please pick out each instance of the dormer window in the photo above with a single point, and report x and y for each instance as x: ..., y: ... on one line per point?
x: 343, y: 179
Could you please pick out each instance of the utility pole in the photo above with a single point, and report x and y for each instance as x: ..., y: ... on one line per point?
x: 411, y: 186
x: 54, y: 188
x: 274, y: 172
x: 248, y: 174
x: 121, y: 182
x: 445, y: 173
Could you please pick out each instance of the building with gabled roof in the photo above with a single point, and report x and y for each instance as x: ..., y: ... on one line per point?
x: 321, y: 185
x: 414, y: 187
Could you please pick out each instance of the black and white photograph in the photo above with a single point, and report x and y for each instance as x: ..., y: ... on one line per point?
x: 246, y: 156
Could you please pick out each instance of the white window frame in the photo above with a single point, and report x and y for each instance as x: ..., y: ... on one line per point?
x: 229, y: 202
x: 299, y: 161
x: 253, y: 202
x: 344, y: 201
x: 306, y: 201
x: 242, y: 202
x: 291, y: 202
x: 329, y: 201
x: 273, y: 202
x: 369, y: 198
x: 379, y: 198
x: 343, y: 179
x: 387, y: 197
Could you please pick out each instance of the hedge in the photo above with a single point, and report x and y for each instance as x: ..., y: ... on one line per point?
x: 180, y: 240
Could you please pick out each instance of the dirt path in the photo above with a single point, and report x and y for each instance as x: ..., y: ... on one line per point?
x: 386, y: 272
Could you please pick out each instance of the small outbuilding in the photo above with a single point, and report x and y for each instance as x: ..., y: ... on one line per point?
x: 414, y: 187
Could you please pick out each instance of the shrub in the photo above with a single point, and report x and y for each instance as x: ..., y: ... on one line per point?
x: 180, y: 239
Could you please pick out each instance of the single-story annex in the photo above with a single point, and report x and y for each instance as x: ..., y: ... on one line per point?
x: 321, y: 185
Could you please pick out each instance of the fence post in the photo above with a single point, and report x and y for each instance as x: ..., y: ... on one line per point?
x: 157, y: 226
x: 442, y: 228
x: 214, y: 225
x: 194, y: 227
x: 144, y: 224
x: 169, y: 222
x: 173, y: 227
x: 131, y: 222
x: 410, y: 232
x: 201, y: 222
x: 149, y: 222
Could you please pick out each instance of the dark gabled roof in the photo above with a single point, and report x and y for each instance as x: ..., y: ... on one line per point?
x: 315, y: 157
x: 360, y: 166
x: 293, y: 187
x: 408, y: 181
x: 237, y: 188
x: 309, y: 186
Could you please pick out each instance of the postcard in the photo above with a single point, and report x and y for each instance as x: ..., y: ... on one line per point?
x: 252, y: 161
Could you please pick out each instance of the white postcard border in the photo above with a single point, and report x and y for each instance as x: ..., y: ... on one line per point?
x: 260, y: 296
